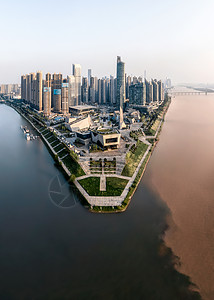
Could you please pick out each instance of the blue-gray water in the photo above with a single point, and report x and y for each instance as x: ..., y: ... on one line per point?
x: 48, y: 252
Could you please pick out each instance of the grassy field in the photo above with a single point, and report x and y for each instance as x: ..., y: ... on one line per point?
x: 114, y: 186
x: 73, y: 166
x: 58, y: 148
x: 52, y: 139
x: 156, y: 124
x: 149, y: 132
x: 55, y: 143
x: 133, y: 158
x: 63, y: 153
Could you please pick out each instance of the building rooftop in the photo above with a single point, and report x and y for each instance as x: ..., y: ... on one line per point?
x: 105, y: 131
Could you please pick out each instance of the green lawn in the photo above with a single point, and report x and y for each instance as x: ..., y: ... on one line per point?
x: 52, y: 139
x: 48, y: 135
x: 73, y: 166
x: 63, y: 153
x: 58, y: 148
x: 55, y: 143
x: 133, y: 158
x: 114, y: 186
x: 150, y: 132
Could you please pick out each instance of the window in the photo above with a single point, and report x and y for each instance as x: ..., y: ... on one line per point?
x: 112, y: 140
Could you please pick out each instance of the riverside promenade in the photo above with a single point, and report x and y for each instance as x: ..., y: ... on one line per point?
x: 102, y: 201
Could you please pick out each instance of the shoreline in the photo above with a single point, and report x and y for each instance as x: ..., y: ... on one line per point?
x: 79, y: 189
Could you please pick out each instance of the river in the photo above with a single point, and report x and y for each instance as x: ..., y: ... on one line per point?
x: 50, y: 252
x: 181, y: 171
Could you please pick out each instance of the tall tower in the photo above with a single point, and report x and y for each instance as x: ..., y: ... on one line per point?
x: 65, y: 108
x: 120, y: 81
x: 89, y: 76
x: 92, y: 90
x: 121, y: 110
x: 23, y: 87
x: 120, y: 87
x: 112, y: 90
x: 71, y: 90
x: 47, y: 101
x: 32, y: 88
x: 155, y: 91
x: 57, y: 100
x: 85, y: 90
x: 39, y: 91
x: 77, y: 76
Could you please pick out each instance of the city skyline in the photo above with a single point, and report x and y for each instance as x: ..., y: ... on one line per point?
x: 165, y: 39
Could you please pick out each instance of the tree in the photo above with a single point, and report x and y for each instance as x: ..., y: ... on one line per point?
x: 72, y: 178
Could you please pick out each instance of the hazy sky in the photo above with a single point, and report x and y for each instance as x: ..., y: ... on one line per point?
x: 167, y: 38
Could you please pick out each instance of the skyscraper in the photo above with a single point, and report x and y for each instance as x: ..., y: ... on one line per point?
x: 71, y: 90
x: 57, y: 100
x: 120, y: 87
x: 38, y: 103
x: 128, y: 83
x: 89, y: 76
x: 160, y: 91
x: 155, y: 91
x: 84, y: 90
x: 47, y: 101
x: 112, y: 90
x: 103, y: 91
x: 56, y: 84
x: 120, y: 81
x: 23, y: 87
x: 77, y: 76
x: 149, y: 92
x: 137, y: 94
x: 65, y: 108
x: 92, y: 91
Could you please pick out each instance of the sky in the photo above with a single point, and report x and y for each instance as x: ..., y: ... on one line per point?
x: 166, y: 38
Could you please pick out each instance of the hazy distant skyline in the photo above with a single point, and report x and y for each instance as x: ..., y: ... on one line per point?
x: 165, y: 38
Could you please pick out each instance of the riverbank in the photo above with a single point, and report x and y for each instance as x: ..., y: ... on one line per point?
x: 104, y: 204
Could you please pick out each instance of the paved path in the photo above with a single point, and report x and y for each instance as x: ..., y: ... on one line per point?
x: 114, y: 200
x: 104, y: 201
x: 102, y: 183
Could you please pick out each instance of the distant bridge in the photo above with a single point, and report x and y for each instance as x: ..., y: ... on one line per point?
x: 177, y: 93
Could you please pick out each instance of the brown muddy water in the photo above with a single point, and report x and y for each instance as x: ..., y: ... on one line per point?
x: 181, y: 171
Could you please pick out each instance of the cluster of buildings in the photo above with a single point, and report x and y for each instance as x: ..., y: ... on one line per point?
x: 92, y: 109
x: 61, y: 95
x: 10, y: 90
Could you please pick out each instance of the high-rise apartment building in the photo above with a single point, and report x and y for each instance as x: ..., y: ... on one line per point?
x: 71, y: 90
x: 64, y: 98
x: 47, y: 101
x: 155, y: 91
x: 135, y: 80
x: 38, y: 91
x: 84, y: 90
x: 33, y: 89
x: 103, y: 91
x: 112, y: 90
x: 137, y: 94
x: 99, y: 91
x: 23, y: 87
x: 92, y: 90
x: 160, y: 90
x: 57, y: 95
x: 89, y: 76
